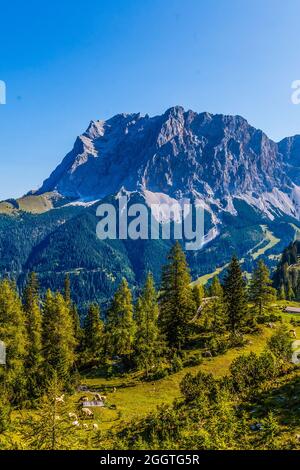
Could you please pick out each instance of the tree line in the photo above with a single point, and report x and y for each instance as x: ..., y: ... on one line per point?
x: 45, y: 338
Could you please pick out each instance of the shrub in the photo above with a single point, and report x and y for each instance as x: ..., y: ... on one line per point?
x: 176, y: 363
x: 280, y: 344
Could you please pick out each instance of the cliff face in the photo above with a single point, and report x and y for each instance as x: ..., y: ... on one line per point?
x: 177, y: 153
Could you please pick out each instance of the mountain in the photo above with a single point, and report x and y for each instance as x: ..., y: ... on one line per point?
x: 181, y: 153
x: 249, y: 186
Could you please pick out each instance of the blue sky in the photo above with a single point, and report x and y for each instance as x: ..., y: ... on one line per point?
x: 67, y: 62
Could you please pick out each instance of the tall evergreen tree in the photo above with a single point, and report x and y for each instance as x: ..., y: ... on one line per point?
x: 217, y: 307
x: 13, y: 334
x: 58, y: 336
x: 235, y: 296
x: 93, y: 334
x: 34, y: 358
x: 50, y: 428
x: 261, y: 292
x: 149, y: 343
x: 78, y: 333
x: 198, y: 294
x: 120, y: 323
x: 67, y: 290
x: 177, y: 304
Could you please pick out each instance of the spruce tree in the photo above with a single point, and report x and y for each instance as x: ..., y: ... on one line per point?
x: 216, y: 307
x: 235, y: 296
x: 33, y: 316
x: 58, y: 336
x: 120, y: 323
x: 50, y: 427
x: 198, y: 294
x: 261, y: 292
x: 67, y: 290
x: 177, y: 304
x: 281, y: 293
x: 93, y: 334
x: 149, y: 345
x: 13, y: 334
x: 78, y: 333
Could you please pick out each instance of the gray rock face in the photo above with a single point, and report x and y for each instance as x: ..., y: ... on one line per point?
x: 178, y: 153
x: 290, y: 149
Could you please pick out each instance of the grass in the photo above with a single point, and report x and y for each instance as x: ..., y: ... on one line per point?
x: 134, y: 399
x: 272, y: 241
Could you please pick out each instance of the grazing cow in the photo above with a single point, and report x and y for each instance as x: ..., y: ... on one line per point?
x: 293, y: 332
x: 75, y: 423
x: 87, y: 412
x: 207, y: 354
x: 95, y: 426
x: 73, y: 415
x: 60, y: 399
x: 84, y: 399
x: 114, y: 389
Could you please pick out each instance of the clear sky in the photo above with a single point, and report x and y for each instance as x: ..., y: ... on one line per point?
x: 67, y: 62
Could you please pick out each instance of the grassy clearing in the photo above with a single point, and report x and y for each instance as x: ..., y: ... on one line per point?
x: 134, y: 398
x: 270, y: 237
x: 202, y: 280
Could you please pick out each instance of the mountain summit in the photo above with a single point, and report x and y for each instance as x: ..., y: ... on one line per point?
x: 182, y: 153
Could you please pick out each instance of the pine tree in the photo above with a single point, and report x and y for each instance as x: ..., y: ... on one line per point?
x: 261, y: 292
x: 120, y: 323
x: 217, y: 307
x: 149, y: 345
x: 93, y: 334
x: 198, y: 294
x: 290, y: 294
x: 177, y: 305
x: 235, y: 296
x: 50, y: 428
x: 58, y: 336
x: 78, y: 333
x: 33, y: 323
x: 13, y: 334
x: 281, y: 293
x: 67, y: 291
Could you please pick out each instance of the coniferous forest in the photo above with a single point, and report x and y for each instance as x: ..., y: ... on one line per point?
x: 175, y: 366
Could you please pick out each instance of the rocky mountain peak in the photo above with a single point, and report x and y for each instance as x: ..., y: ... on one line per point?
x: 177, y: 153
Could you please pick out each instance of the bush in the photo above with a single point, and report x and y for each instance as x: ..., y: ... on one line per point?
x: 218, y: 345
x: 159, y: 373
x: 4, y: 413
x: 193, y: 360
x: 280, y: 344
x: 236, y: 341
x: 250, y: 371
x: 268, y: 318
x: 198, y: 386
x: 176, y: 363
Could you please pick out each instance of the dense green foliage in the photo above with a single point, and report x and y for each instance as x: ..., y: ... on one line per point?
x: 287, y: 274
